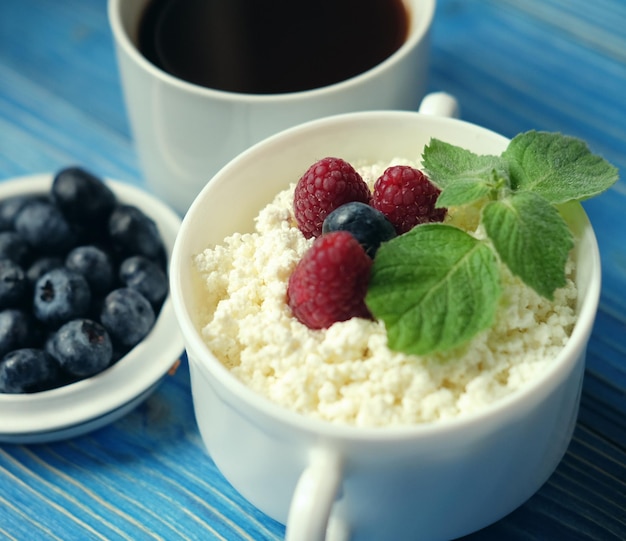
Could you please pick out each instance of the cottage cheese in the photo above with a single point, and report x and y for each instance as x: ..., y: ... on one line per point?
x: 346, y: 374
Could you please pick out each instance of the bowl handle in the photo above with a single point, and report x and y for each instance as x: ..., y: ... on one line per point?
x: 316, y: 491
x: 440, y: 104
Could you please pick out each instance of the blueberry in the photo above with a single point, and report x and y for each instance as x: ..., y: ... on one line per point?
x: 10, y: 208
x: 42, y: 265
x: 45, y: 228
x: 60, y: 296
x: 367, y: 224
x: 14, y: 247
x: 82, y: 197
x: 18, y: 329
x: 82, y: 348
x: 133, y: 233
x: 94, y: 264
x: 28, y: 370
x: 14, y: 286
x: 127, y: 315
x: 146, y: 276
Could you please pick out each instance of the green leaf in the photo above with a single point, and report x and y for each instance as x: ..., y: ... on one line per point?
x: 434, y: 287
x: 558, y: 167
x: 462, y: 176
x: 462, y: 193
x: 532, y: 239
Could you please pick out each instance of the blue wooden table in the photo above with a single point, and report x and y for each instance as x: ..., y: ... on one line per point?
x: 557, y: 65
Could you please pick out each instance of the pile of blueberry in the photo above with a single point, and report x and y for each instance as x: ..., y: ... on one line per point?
x: 83, y: 277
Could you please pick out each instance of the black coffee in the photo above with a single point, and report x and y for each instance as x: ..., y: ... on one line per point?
x: 270, y: 46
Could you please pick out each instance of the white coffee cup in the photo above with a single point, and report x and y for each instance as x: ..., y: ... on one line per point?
x: 184, y: 133
x: 430, y: 482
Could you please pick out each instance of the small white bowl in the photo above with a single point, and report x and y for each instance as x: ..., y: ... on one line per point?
x: 83, y: 406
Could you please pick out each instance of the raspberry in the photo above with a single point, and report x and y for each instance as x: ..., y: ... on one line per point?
x: 406, y: 197
x: 330, y: 281
x: 326, y: 185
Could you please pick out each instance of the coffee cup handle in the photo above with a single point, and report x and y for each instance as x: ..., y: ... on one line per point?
x: 317, y: 489
x: 440, y: 104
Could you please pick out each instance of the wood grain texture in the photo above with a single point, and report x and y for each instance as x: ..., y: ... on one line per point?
x: 557, y: 65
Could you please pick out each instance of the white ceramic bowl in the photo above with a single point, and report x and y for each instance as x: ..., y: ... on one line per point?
x: 430, y: 482
x: 96, y: 401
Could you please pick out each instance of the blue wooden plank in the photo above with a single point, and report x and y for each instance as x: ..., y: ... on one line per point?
x: 44, y: 136
x: 598, y: 25
x: 66, y: 48
x: 533, y: 78
x: 51, y: 118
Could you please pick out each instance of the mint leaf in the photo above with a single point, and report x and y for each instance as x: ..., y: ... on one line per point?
x: 462, y: 193
x: 434, y: 287
x: 462, y: 176
x: 532, y: 239
x: 558, y: 167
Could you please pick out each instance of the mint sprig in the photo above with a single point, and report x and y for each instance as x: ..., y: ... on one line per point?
x: 437, y: 286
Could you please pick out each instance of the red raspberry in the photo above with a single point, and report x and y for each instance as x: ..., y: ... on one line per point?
x: 406, y: 197
x: 330, y: 281
x: 326, y: 185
